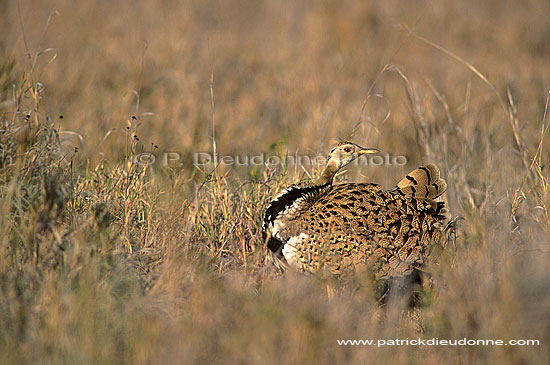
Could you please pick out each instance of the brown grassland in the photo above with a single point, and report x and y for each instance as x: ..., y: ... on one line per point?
x: 104, y: 260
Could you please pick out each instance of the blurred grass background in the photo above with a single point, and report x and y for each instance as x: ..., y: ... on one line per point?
x: 107, y: 261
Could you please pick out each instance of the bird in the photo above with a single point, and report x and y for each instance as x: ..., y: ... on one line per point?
x: 342, y: 227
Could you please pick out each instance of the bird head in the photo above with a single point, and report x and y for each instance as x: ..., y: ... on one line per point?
x: 346, y: 152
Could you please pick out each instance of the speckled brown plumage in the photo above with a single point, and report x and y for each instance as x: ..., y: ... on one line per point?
x: 340, y: 227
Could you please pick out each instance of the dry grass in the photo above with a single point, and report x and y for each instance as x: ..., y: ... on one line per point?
x: 106, y: 261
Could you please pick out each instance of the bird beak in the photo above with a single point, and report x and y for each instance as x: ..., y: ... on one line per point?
x: 364, y: 151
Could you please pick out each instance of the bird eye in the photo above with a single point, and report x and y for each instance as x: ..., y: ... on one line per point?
x: 347, y: 149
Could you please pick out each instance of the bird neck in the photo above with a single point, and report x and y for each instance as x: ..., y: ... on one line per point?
x: 328, y: 173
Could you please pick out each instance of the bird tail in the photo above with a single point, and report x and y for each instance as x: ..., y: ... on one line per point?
x: 424, y: 183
